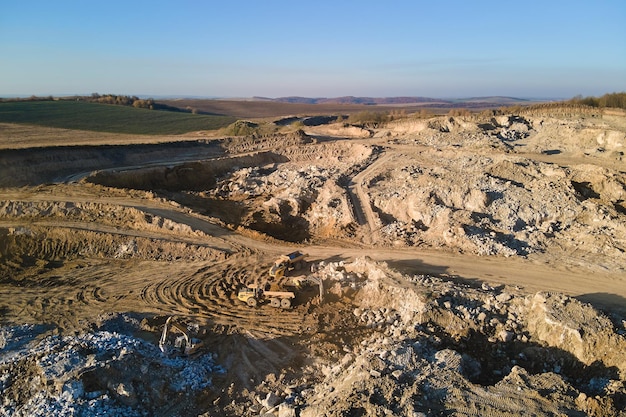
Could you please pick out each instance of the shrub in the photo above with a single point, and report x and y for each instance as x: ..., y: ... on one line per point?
x: 241, y: 128
x: 368, y: 118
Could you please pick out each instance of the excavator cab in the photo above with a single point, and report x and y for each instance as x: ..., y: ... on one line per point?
x: 277, y: 270
x: 294, y: 260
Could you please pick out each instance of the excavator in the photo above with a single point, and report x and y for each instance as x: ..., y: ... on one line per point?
x: 294, y: 260
x: 175, y: 339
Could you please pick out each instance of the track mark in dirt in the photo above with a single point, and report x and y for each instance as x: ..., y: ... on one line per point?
x: 210, y: 294
x: 358, y: 198
x: 207, y: 292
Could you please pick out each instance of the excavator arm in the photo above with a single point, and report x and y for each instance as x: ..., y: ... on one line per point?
x: 183, y: 342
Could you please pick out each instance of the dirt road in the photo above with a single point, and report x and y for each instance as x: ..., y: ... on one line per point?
x: 184, y: 293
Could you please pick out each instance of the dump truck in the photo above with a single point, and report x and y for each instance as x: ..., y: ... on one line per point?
x: 279, y: 295
x: 294, y: 260
x: 254, y: 294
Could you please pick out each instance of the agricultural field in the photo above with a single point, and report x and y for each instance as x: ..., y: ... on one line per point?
x: 80, y: 115
x: 469, y: 264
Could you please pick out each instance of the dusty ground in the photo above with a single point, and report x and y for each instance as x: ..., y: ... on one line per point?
x: 472, y: 266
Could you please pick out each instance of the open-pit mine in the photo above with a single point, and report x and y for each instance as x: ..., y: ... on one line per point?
x: 455, y: 265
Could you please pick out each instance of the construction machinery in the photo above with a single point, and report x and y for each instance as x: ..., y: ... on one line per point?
x: 279, y: 290
x: 301, y: 281
x: 176, y: 340
x: 294, y: 260
x: 254, y: 294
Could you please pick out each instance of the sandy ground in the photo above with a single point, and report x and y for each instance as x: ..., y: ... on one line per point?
x: 436, y: 240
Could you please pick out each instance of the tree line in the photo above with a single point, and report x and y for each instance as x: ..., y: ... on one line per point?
x: 134, y: 101
x: 614, y: 100
x: 121, y: 100
x: 114, y: 99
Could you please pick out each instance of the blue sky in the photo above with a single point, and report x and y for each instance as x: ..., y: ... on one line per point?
x: 448, y: 48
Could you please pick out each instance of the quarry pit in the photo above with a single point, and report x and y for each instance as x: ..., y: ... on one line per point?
x: 471, y: 266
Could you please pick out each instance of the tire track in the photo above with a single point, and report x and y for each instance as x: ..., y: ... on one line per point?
x: 210, y: 295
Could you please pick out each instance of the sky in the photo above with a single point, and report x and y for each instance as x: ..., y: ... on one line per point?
x: 441, y: 49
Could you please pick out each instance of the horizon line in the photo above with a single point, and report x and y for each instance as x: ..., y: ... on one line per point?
x: 254, y: 97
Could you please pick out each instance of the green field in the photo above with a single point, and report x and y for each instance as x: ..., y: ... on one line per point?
x: 107, y: 118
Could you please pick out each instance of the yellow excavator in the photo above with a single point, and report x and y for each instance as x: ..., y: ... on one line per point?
x: 294, y: 260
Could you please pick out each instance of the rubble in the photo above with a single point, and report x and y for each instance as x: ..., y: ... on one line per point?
x: 96, y: 373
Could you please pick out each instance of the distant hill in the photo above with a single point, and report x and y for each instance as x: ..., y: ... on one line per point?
x: 492, y: 99
x: 382, y: 101
x: 257, y: 107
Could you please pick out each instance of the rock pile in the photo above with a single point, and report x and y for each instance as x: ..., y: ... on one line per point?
x: 411, y: 345
x: 302, y: 198
x: 474, y: 350
x: 435, y: 347
x: 98, y: 373
x: 500, y: 206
